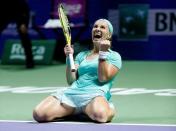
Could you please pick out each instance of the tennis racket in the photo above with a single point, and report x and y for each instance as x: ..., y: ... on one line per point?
x: 67, y: 32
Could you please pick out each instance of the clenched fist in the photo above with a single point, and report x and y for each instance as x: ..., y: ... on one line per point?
x: 104, y: 45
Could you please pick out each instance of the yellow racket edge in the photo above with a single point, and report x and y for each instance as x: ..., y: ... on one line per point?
x: 64, y: 24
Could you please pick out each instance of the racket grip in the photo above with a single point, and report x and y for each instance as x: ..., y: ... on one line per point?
x: 72, y: 64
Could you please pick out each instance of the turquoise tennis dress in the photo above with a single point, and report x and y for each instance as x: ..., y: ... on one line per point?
x: 87, y: 86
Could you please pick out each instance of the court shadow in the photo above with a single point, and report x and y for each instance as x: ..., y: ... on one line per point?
x: 81, y: 118
x: 75, y: 118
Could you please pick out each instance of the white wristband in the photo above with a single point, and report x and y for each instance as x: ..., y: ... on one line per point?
x: 103, y: 55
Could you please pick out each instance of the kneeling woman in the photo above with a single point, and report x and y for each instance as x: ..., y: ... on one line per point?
x: 90, y: 84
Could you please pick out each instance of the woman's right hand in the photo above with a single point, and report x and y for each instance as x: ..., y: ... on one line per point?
x: 68, y: 50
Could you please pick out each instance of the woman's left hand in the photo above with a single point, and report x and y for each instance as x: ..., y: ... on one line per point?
x: 104, y: 45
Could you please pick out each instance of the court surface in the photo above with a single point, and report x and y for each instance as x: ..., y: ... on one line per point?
x: 144, y: 94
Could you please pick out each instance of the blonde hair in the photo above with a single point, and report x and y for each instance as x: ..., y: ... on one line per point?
x: 109, y: 25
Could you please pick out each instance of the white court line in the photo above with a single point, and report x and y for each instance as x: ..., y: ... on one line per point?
x: 121, y: 124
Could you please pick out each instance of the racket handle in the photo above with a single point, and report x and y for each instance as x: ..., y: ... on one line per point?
x: 72, y: 64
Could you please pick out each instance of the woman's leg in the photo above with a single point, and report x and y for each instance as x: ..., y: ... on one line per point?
x: 99, y: 110
x: 50, y: 109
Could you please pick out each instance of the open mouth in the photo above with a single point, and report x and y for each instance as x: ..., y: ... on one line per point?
x: 97, y: 35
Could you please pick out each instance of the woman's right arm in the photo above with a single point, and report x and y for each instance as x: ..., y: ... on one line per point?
x: 70, y: 76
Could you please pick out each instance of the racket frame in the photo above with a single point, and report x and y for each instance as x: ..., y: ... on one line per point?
x: 67, y: 32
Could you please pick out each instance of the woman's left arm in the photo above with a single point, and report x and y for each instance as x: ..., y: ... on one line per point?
x: 106, y: 71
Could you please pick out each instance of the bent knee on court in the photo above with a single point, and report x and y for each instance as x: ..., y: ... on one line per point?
x: 40, y: 116
x: 100, y: 115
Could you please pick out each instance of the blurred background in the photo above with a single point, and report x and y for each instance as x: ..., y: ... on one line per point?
x: 144, y: 35
x: 143, y: 29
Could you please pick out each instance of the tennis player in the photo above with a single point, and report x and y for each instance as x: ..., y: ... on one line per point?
x: 90, y: 85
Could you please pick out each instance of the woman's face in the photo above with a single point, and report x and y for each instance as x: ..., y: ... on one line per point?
x: 100, y: 31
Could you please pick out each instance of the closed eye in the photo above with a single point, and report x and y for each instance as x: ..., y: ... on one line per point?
x: 95, y: 26
x: 102, y: 27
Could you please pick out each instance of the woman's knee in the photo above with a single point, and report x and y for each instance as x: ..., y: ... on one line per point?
x: 100, y: 115
x: 39, y: 115
x: 42, y: 114
x: 99, y: 110
x: 41, y: 111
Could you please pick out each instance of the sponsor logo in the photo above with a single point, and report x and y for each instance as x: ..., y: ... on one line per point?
x: 42, y: 52
x: 17, y: 52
